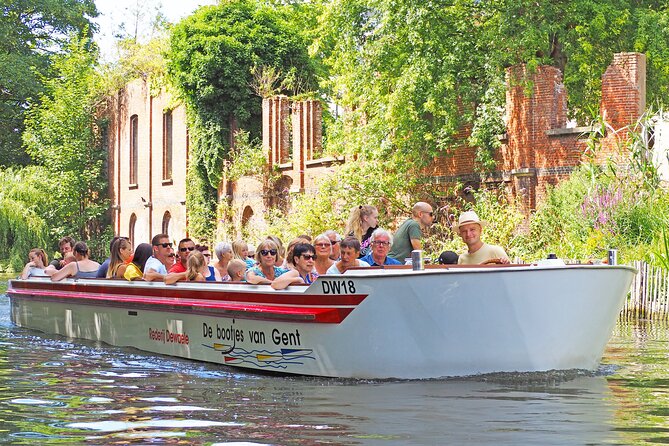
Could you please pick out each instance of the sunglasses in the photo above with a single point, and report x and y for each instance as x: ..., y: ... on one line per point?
x: 264, y: 252
x: 334, y: 242
x: 309, y: 257
x: 164, y: 245
x: 382, y: 243
x: 207, y: 255
x: 189, y: 248
x: 170, y: 254
x: 323, y: 245
x: 431, y: 214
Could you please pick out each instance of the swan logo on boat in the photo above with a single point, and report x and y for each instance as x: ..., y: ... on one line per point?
x: 338, y: 286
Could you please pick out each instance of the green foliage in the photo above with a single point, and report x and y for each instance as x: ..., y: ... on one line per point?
x: 212, y: 58
x: 31, y: 32
x: 24, y: 200
x: 63, y: 137
x: 247, y: 158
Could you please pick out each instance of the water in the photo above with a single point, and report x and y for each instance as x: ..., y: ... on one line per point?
x: 59, y: 391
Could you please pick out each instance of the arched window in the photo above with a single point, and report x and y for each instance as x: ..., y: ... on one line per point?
x: 246, y: 215
x: 131, y: 229
x: 166, y: 222
x: 134, y: 149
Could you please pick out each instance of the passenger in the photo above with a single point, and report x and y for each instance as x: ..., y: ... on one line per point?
x: 380, y: 241
x: 241, y: 251
x: 236, y: 270
x: 136, y: 268
x: 288, y: 262
x: 102, y: 271
x: 38, y: 260
x: 157, y: 265
x: 280, y: 247
x: 350, y: 250
x: 323, y: 250
x: 196, y: 269
x: 362, y: 222
x: 410, y: 233
x: 81, y: 268
x: 210, y: 274
x: 335, y: 239
x: 266, y: 271
x: 303, y: 258
x: 448, y: 258
x: 186, y: 248
x: 65, y: 246
x: 225, y: 255
x: 469, y: 228
x: 121, y: 256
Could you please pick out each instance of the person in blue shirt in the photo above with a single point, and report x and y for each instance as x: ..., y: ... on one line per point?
x: 381, y: 240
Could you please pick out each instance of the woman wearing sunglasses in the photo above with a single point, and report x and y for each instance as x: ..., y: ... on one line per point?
x: 267, y: 255
x: 303, y: 258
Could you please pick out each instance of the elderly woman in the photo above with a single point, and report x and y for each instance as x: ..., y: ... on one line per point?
x: 303, y: 259
x: 38, y: 261
x: 81, y: 268
x: 119, y: 257
x: 267, y: 255
x: 350, y: 250
x: 323, y: 250
x: 224, y: 253
x: 362, y: 222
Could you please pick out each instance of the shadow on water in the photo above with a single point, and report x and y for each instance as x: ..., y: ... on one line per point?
x: 59, y: 391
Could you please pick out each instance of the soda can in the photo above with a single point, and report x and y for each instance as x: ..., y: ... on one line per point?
x: 613, y: 256
x: 417, y: 262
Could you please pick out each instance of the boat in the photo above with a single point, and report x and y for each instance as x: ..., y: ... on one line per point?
x: 370, y: 323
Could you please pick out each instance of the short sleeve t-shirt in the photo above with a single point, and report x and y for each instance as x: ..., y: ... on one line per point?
x: 258, y: 271
x: 177, y: 268
x: 132, y: 272
x: 486, y: 252
x: 334, y: 270
x: 153, y: 264
x: 402, y: 246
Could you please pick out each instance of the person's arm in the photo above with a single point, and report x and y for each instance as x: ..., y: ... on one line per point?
x: 416, y: 243
x: 64, y: 272
x: 151, y: 275
x: 252, y: 277
x: 120, y: 271
x: 172, y: 278
x: 286, y: 279
x: 26, y: 270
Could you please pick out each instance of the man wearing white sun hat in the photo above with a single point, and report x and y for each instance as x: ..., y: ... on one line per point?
x: 469, y: 228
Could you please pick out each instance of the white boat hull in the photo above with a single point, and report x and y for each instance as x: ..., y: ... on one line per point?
x: 427, y: 324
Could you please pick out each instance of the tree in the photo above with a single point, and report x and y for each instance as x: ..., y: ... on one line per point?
x: 63, y: 136
x: 31, y: 32
x: 213, y: 55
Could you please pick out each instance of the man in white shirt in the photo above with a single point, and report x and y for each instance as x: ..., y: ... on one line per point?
x: 156, y: 266
x: 469, y: 228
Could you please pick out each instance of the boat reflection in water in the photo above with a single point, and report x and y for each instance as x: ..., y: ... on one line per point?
x: 368, y: 323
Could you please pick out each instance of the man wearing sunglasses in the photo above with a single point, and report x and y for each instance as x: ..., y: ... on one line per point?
x: 156, y: 266
x: 409, y: 235
x: 186, y: 247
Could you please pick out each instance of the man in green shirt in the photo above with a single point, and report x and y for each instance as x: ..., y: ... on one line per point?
x: 410, y: 233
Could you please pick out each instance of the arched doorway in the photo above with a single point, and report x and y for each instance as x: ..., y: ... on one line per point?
x: 246, y: 217
x: 166, y: 222
x: 131, y: 229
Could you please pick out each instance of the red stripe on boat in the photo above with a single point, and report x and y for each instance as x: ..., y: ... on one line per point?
x: 215, y: 293
x: 320, y: 314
